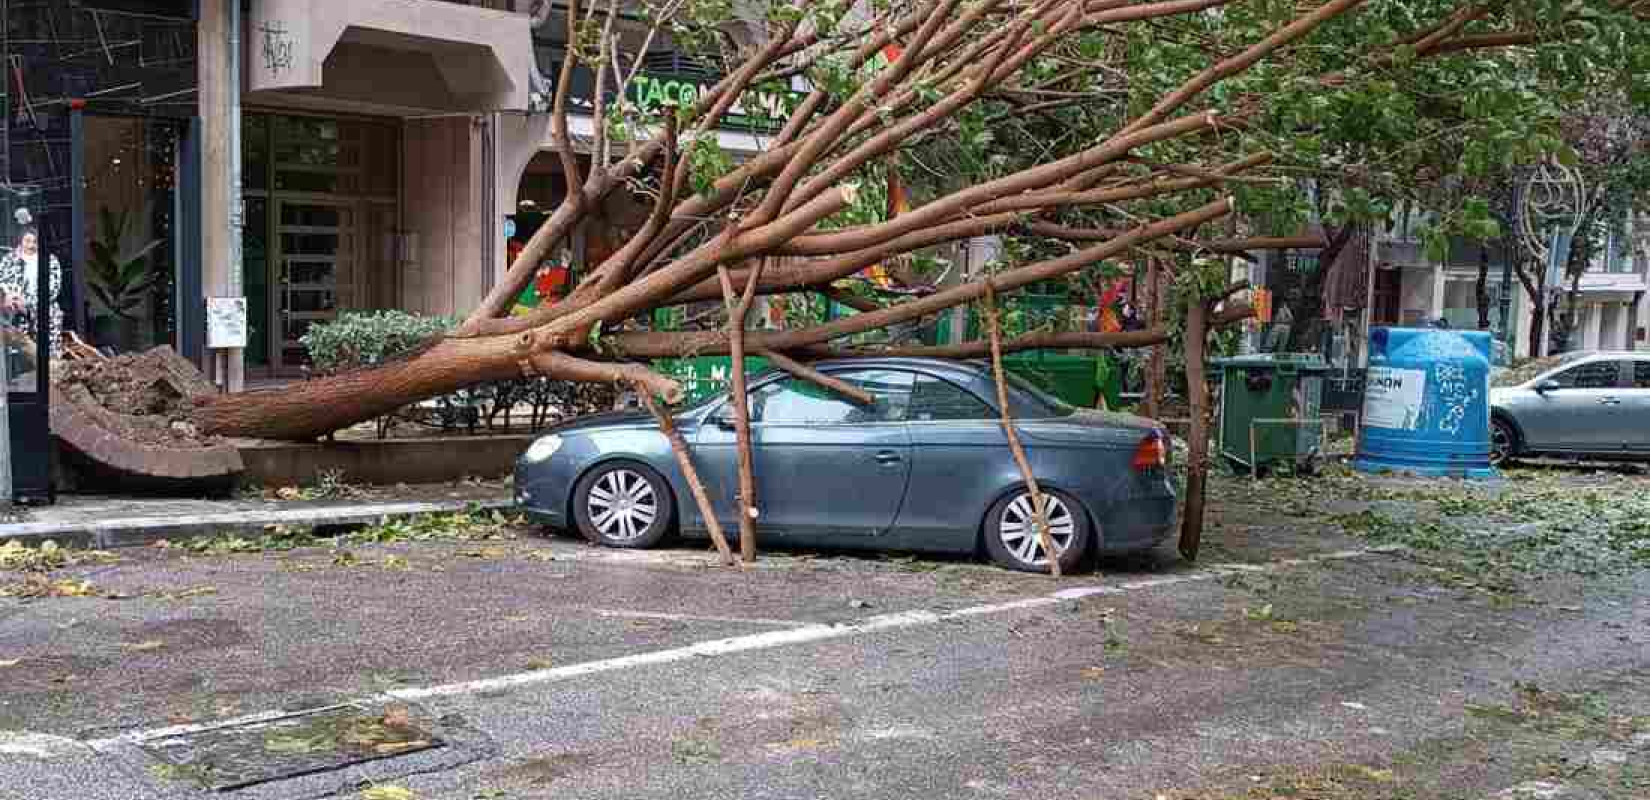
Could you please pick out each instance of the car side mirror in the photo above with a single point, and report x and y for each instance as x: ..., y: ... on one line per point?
x: 723, y: 419
x: 1548, y: 385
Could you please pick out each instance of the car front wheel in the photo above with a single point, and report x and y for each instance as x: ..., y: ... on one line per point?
x: 1503, y: 441
x: 1011, y: 534
x: 623, y: 505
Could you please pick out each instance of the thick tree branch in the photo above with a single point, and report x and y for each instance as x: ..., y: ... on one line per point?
x: 814, y: 376
x: 684, y: 461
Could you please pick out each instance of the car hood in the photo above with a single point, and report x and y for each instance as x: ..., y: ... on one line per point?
x: 1501, y: 394
x: 610, y: 420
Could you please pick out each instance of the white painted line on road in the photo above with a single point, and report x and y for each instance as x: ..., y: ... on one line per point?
x: 806, y: 633
x: 626, y: 614
x: 818, y: 633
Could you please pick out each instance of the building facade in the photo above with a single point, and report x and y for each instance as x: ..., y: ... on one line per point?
x: 310, y: 156
x: 1613, y: 306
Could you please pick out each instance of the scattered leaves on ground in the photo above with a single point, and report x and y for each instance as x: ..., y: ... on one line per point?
x: 35, y: 586
x: 388, y: 793
x: 18, y: 557
x: 473, y: 524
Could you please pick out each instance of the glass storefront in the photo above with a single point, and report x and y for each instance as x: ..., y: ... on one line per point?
x: 321, y: 208
x: 130, y: 205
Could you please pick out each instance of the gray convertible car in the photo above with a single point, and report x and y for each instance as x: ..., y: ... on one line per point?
x: 926, y: 467
x: 1590, y: 405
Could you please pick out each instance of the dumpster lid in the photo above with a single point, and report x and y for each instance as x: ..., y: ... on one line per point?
x: 1299, y: 362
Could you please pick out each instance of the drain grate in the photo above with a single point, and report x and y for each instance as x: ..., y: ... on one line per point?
x: 303, y: 743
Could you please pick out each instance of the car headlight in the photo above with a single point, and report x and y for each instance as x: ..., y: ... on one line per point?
x: 542, y: 449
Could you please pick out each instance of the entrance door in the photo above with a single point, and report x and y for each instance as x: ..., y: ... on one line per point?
x: 317, y: 246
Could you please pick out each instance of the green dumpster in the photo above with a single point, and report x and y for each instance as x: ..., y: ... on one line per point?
x: 1269, y: 409
x: 1070, y: 378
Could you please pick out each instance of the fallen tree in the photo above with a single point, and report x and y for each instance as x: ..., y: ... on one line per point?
x: 886, y: 79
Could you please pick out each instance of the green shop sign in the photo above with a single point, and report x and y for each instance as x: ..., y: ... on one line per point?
x: 756, y: 112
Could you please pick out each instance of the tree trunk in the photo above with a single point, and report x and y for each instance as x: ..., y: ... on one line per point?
x: 1197, y: 440
x: 1538, y: 321
x: 307, y: 410
x: 738, y: 308
x: 1482, y: 289
x: 1156, y: 364
x: 1306, y: 304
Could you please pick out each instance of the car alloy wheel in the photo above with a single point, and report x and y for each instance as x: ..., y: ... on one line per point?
x: 1502, y: 441
x: 1017, y: 529
x: 622, y: 505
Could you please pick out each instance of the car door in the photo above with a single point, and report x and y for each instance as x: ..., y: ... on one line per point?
x: 960, y: 458
x: 1584, y: 414
x: 1636, y: 407
x: 828, y: 470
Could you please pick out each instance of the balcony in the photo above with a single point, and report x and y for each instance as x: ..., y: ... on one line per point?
x: 388, y: 56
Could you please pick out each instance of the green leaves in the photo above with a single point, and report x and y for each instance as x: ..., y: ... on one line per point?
x: 366, y: 338
x: 706, y: 162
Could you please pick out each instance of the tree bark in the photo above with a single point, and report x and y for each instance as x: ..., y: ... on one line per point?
x: 1039, y: 504
x: 1482, y: 289
x: 814, y: 376
x: 1197, y: 462
x: 1157, y: 368
x: 684, y: 460
x: 738, y: 307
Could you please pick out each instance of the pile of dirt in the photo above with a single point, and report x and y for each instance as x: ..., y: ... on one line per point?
x: 144, y: 398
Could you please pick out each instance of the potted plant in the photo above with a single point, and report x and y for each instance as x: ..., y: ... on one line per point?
x: 118, y: 281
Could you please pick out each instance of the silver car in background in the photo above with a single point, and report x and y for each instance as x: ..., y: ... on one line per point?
x: 1592, y: 405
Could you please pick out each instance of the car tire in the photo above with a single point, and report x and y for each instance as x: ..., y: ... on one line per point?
x: 1503, y: 441
x: 623, y: 504
x: 1011, y: 539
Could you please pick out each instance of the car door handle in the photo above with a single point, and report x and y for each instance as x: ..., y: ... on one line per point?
x: 888, y: 457
x: 1609, y: 401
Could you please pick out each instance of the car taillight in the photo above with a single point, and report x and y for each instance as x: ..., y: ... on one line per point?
x: 1152, y: 453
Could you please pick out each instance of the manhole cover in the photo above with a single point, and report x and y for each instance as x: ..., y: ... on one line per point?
x: 303, y: 743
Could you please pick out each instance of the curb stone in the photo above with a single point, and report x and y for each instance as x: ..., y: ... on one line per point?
x: 110, y: 534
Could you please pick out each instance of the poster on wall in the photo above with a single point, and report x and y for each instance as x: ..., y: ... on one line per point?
x: 1393, y: 397
x: 226, y: 322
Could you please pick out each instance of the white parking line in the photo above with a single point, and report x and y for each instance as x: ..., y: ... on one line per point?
x: 805, y: 634
x: 659, y: 615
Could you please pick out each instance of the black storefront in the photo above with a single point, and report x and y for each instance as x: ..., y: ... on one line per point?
x: 102, y: 159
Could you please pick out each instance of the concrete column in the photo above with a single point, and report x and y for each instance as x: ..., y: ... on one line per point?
x: 219, y: 93
x: 1592, y: 322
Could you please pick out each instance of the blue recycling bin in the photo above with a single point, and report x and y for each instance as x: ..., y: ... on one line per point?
x: 1426, y: 404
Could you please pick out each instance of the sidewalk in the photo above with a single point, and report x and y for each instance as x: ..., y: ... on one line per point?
x: 104, y: 521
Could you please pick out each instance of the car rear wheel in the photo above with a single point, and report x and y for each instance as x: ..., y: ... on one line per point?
x: 623, y: 505
x: 1011, y: 534
x: 1503, y: 441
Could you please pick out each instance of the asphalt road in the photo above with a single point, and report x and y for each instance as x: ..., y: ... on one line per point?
x: 1291, y: 664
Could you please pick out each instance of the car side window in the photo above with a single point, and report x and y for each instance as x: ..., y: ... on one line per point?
x: 1641, y: 374
x: 794, y: 401
x: 1592, y: 375
x: 935, y: 399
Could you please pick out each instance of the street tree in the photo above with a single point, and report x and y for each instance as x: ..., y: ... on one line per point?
x: 1190, y: 101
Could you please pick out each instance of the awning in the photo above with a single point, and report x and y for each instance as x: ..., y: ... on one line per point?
x: 398, y: 54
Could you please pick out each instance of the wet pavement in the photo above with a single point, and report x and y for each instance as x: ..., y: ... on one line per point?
x: 1293, y: 660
